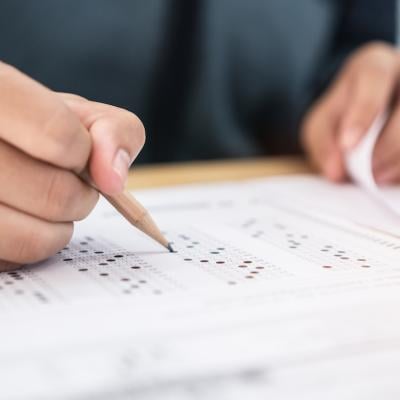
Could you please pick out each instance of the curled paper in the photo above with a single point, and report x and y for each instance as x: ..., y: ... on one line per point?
x: 359, y: 164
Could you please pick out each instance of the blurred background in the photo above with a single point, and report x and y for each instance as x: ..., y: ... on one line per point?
x: 209, y: 78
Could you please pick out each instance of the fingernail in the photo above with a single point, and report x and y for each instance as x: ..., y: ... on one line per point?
x: 121, y: 164
x: 350, y: 138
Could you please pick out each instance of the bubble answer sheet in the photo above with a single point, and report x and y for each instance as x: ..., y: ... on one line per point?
x: 279, y: 288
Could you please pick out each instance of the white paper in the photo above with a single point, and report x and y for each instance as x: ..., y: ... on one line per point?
x: 359, y: 165
x: 359, y: 160
x: 284, y: 287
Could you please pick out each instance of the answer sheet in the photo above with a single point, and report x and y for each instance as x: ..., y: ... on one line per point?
x: 280, y: 288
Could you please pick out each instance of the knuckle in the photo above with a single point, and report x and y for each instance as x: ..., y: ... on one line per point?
x: 135, y: 125
x: 60, y: 139
x: 59, y: 196
x: 59, y: 132
x: 377, y: 47
x: 88, y: 205
x: 376, y: 57
x: 37, y: 245
x: 373, y: 57
x: 72, y: 97
x: 381, y: 68
x: 67, y: 198
x: 31, y: 248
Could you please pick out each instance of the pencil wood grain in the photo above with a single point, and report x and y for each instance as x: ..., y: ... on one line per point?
x: 138, y: 216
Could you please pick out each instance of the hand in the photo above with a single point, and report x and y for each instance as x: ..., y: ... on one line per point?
x: 367, y: 85
x: 46, y: 140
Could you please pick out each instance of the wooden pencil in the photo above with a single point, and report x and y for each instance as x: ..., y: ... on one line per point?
x: 138, y: 216
x: 134, y: 212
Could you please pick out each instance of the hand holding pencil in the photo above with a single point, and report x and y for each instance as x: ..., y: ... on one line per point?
x: 47, y: 140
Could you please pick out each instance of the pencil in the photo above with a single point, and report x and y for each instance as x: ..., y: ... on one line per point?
x: 138, y: 216
x: 134, y: 212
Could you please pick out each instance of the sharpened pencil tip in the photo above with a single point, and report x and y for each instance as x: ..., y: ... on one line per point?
x: 170, y: 248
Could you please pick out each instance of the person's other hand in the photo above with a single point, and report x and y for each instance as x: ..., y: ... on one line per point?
x: 46, y: 140
x: 366, y: 86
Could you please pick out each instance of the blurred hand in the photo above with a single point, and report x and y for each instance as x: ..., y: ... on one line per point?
x: 46, y: 140
x: 367, y: 85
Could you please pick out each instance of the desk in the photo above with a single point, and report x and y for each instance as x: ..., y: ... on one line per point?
x: 212, y: 171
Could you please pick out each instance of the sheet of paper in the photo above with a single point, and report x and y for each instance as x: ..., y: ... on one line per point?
x: 359, y: 160
x: 359, y: 166
x: 281, y: 280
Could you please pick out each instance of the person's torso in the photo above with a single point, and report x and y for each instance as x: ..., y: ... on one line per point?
x: 209, y: 78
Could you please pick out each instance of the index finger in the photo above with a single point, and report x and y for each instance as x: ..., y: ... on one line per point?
x: 34, y: 120
x: 370, y: 93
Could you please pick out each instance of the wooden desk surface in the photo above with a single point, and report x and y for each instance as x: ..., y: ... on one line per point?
x: 213, y: 171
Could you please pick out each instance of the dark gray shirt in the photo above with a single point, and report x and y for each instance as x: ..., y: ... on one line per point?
x: 209, y: 78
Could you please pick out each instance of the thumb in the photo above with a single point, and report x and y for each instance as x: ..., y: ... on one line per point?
x: 117, y: 135
x: 117, y: 140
